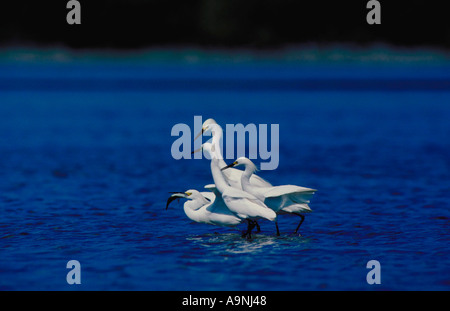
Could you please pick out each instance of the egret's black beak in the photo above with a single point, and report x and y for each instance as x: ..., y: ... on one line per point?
x: 199, y: 134
x: 228, y: 166
x: 174, y: 196
x: 197, y: 150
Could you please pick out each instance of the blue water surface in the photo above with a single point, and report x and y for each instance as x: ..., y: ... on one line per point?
x: 86, y: 167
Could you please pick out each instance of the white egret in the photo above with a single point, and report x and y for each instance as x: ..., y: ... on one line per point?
x: 205, y: 207
x: 214, y: 154
x: 281, y: 199
x: 233, y: 176
x: 216, y: 193
x: 242, y: 203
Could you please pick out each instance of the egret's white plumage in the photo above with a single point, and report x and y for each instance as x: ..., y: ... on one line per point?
x: 232, y: 200
x: 244, y: 204
x: 281, y: 199
x: 238, y: 195
x: 206, y: 207
x: 233, y: 176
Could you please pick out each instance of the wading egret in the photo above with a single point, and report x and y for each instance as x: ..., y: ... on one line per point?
x: 286, y: 199
x: 244, y: 204
x: 206, y: 207
x: 233, y: 176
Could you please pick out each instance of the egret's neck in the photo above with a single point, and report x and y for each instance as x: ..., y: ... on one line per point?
x: 245, y: 178
x: 219, y: 179
x: 192, y: 213
x: 217, y: 135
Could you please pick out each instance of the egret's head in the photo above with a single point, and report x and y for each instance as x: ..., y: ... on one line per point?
x: 179, y: 195
x: 192, y: 194
x: 208, y: 124
x: 208, y: 127
x: 242, y: 161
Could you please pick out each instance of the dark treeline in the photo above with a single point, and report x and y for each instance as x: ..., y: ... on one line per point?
x: 222, y: 23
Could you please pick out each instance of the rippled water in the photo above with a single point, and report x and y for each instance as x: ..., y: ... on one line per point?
x: 85, y: 175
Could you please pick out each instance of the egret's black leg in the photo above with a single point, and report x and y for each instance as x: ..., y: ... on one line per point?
x: 278, y: 231
x: 301, y: 221
x: 258, y: 229
x: 244, y: 234
x: 249, y: 228
x: 251, y: 225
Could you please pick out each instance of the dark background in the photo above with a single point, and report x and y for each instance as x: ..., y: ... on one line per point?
x: 223, y: 23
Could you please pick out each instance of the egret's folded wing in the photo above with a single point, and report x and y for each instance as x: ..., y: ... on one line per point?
x: 208, y: 195
x: 219, y: 206
x: 250, y: 207
x: 229, y: 220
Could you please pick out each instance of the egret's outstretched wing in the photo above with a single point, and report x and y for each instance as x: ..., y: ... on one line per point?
x: 280, y: 197
x: 210, y: 187
x: 258, y: 181
x: 296, y: 208
x: 293, y: 193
